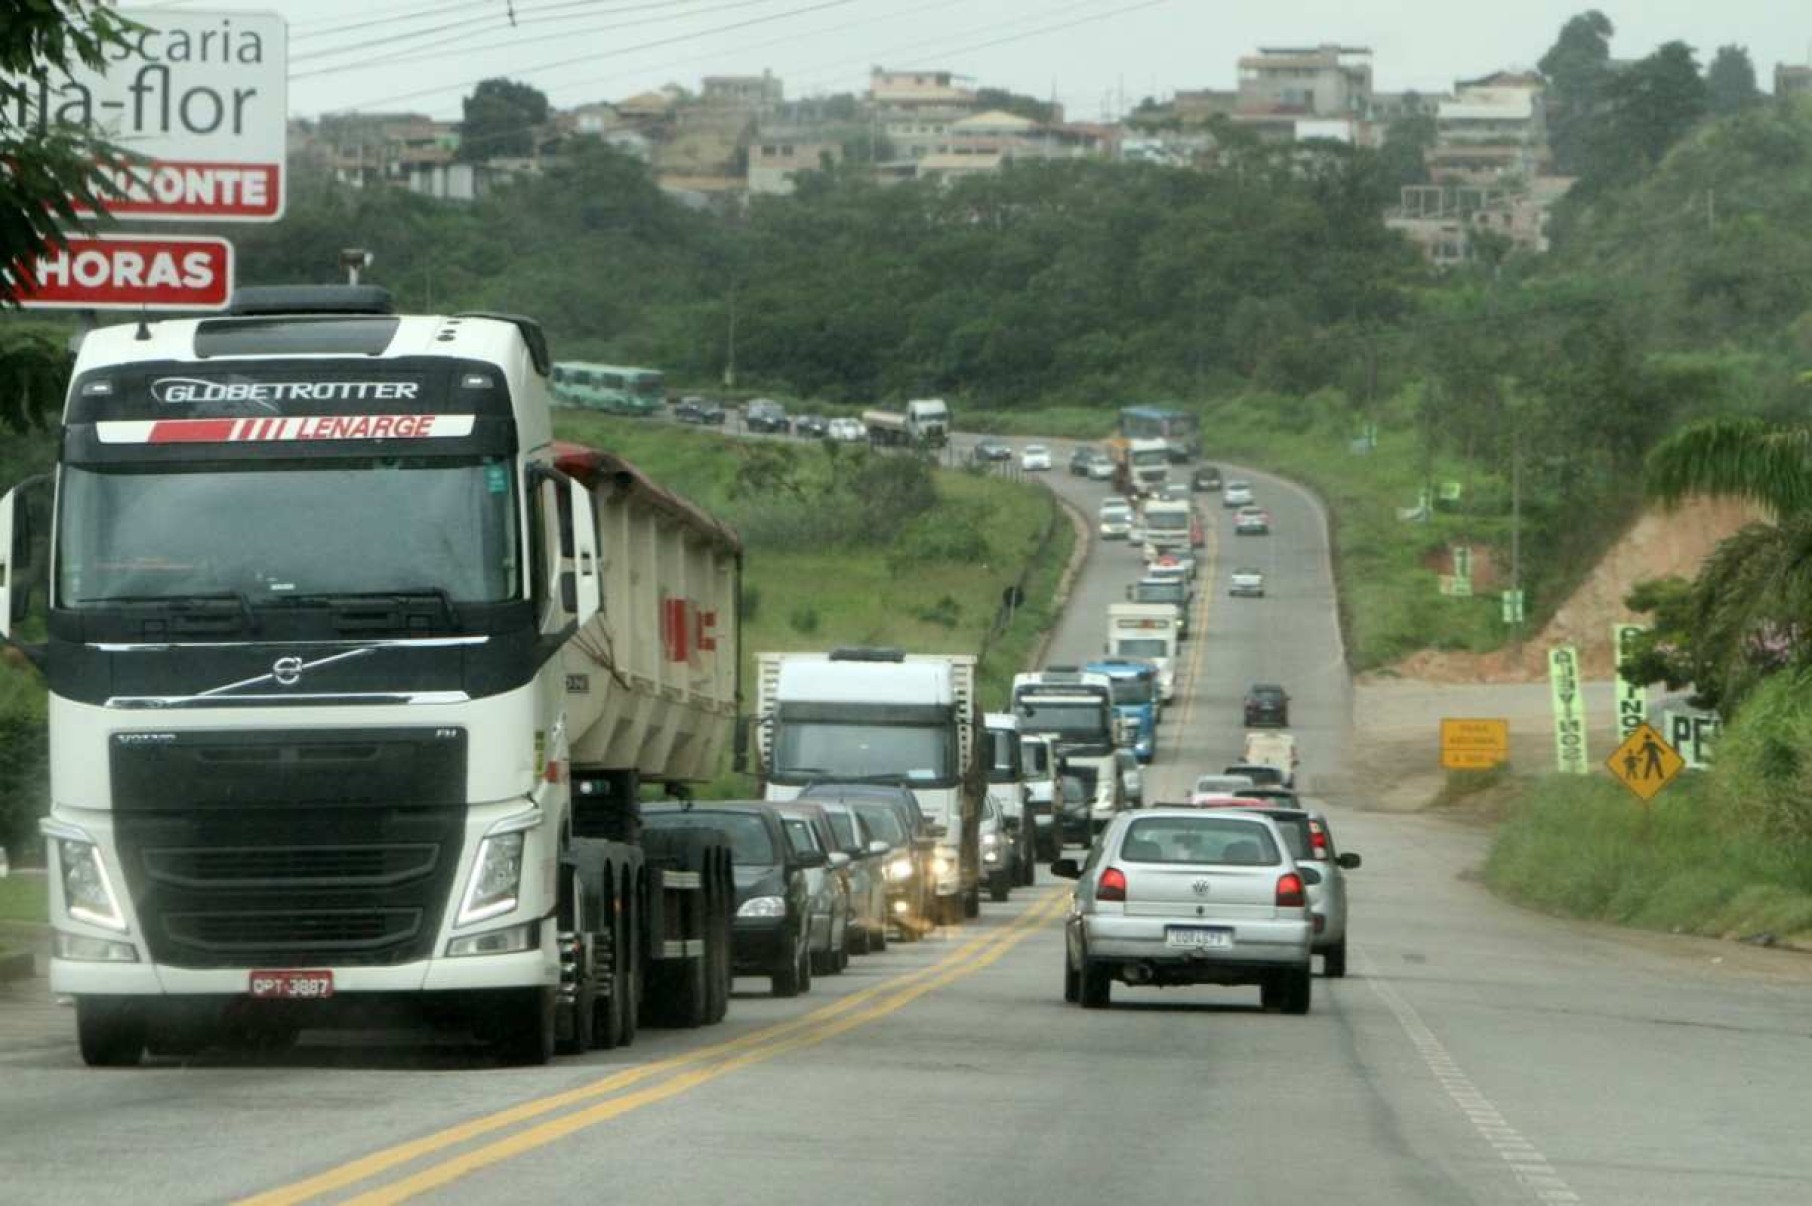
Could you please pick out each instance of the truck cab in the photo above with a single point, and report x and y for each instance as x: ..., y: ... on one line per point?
x: 928, y: 421
x: 1167, y: 525
x: 1038, y: 758
x: 1075, y: 709
x: 1136, y: 702
x: 883, y: 716
x: 1006, y: 784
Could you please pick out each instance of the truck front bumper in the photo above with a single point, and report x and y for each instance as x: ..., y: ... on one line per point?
x: 523, y: 969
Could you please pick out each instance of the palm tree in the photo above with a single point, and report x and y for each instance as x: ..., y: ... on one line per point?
x: 1752, y: 600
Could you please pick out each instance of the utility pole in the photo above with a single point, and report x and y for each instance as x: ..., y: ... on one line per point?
x: 730, y: 358
x: 1516, y: 529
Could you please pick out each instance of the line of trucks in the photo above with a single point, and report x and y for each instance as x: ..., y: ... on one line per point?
x: 356, y: 679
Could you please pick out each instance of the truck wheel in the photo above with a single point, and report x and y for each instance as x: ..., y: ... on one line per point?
x: 609, y: 1014
x: 584, y: 1019
x: 526, y: 1027
x: 111, y: 1033
x: 1333, y: 961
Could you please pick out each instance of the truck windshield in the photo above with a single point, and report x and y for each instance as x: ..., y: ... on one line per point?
x: 280, y: 529
x: 1142, y: 647
x: 820, y: 749
x: 1149, y: 459
x: 1132, y: 690
x: 1078, y: 718
x: 1167, y: 521
x: 1158, y: 592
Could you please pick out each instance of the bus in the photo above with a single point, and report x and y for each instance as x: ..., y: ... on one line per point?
x: 611, y: 388
x: 1180, y: 430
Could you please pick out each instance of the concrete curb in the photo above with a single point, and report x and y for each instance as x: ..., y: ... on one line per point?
x: 1067, y: 581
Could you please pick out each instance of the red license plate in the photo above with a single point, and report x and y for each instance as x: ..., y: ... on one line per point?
x: 291, y: 985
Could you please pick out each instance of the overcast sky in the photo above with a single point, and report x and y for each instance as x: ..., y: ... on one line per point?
x: 424, y: 55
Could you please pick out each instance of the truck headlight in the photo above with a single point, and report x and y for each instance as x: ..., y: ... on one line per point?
x: 763, y: 906
x: 87, y: 891
x: 899, y: 869
x: 496, y: 878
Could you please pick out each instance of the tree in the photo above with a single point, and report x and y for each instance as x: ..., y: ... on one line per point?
x: 1576, y: 67
x: 1648, y: 107
x: 49, y: 174
x: 502, y: 118
x: 1751, y: 601
x: 1016, y: 103
x: 1730, y: 81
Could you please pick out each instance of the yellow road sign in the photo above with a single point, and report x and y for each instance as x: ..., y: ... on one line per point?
x: 1474, y: 744
x: 1645, y: 763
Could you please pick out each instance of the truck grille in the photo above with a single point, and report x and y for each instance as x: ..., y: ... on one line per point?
x: 292, y: 866
x: 340, y: 851
x: 339, y: 933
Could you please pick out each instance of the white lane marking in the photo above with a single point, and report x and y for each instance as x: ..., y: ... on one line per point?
x: 1524, y: 1160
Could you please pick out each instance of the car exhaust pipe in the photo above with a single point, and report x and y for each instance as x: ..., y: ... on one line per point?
x: 1139, y: 973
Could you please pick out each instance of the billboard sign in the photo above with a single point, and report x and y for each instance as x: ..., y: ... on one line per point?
x: 129, y: 272
x: 199, y: 99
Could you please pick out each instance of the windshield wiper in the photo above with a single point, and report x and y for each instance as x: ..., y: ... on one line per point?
x: 405, y: 595
x: 181, y: 602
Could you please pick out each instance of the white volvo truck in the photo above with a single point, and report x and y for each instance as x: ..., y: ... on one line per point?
x: 353, y: 676
x: 882, y: 716
x: 1075, y: 709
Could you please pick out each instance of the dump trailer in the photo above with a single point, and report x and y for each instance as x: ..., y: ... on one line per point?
x: 354, y: 677
x: 883, y: 716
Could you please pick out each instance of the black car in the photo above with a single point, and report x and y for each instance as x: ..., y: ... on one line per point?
x: 892, y: 814
x: 811, y: 427
x: 698, y: 410
x: 1267, y: 706
x: 766, y: 415
x: 991, y: 449
x: 772, y: 932
x: 1205, y: 477
x: 1080, y: 460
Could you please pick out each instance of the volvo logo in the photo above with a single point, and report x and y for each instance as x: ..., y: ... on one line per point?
x: 287, y: 671
x: 1201, y: 887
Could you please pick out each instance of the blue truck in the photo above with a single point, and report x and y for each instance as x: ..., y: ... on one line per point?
x: 1135, y: 700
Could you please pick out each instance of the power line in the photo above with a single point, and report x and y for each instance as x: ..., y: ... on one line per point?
x: 595, y: 56
x: 433, y: 50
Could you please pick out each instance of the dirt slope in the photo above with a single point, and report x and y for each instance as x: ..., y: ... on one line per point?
x: 1659, y: 543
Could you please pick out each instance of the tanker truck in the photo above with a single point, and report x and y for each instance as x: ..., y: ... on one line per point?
x: 354, y: 676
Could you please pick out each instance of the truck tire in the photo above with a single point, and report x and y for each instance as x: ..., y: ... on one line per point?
x: 110, y: 1032
x: 609, y: 1030
x: 723, y: 905
x: 525, y: 1027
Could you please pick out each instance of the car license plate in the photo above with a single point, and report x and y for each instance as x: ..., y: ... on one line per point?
x: 291, y: 985
x: 1198, y: 937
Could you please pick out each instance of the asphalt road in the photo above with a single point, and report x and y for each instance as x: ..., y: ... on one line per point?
x: 1475, y: 1053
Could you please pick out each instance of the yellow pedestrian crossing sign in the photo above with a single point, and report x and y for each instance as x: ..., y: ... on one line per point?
x: 1645, y: 763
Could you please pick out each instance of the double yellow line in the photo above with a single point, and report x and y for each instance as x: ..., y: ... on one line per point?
x: 1199, y: 640
x: 684, y: 1072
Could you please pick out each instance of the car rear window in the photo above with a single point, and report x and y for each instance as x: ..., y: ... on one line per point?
x: 1221, y: 840
x: 883, y: 822
x: 751, y: 844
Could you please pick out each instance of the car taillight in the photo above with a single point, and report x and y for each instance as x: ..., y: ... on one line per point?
x: 1112, y: 885
x: 1289, y: 891
x: 1318, y: 842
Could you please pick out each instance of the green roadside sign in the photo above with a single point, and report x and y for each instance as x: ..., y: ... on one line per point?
x: 1569, y: 711
x: 1513, y: 606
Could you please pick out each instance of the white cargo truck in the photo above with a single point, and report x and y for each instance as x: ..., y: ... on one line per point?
x: 883, y: 716
x: 353, y: 676
x: 1149, y: 631
x: 925, y: 422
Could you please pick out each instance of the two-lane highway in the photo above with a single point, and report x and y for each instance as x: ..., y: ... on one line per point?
x: 1475, y: 1053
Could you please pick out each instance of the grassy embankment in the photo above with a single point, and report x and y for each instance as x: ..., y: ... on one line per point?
x: 22, y: 898
x: 1584, y: 847
x: 936, y: 587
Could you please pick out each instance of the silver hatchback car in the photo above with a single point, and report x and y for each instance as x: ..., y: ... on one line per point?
x: 1324, y: 869
x: 1173, y: 896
